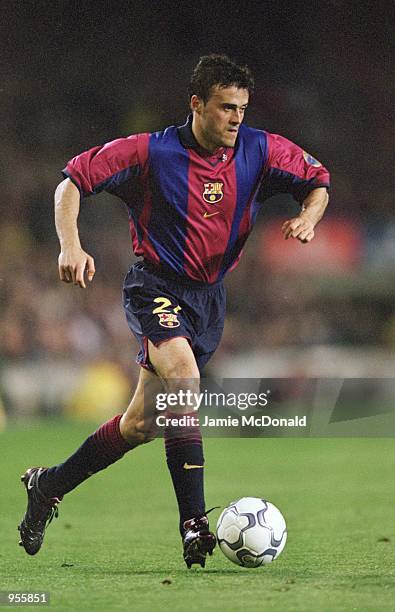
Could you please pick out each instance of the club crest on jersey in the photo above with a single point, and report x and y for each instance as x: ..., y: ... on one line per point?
x: 168, y: 319
x: 213, y: 193
x: 311, y: 160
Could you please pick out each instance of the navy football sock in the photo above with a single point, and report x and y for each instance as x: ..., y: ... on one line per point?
x: 184, y: 453
x: 101, y: 449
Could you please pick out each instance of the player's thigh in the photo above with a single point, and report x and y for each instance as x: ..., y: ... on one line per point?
x: 176, y: 365
x: 173, y: 360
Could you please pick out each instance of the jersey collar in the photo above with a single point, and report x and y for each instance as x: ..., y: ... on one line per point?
x: 189, y: 141
x: 186, y: 136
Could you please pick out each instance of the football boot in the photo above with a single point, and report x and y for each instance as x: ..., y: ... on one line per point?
x: 39, y: 513
x: 198, y: 541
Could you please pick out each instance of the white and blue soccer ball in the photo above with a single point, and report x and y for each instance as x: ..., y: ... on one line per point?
x: 251, y: 532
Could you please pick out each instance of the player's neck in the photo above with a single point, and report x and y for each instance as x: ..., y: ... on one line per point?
x: 207, y: 147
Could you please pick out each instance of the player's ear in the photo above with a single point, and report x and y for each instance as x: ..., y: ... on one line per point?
x: 196, y: 104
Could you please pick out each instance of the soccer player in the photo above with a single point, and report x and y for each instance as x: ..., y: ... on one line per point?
x: 192, y: 193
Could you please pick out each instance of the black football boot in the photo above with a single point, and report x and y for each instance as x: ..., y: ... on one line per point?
x: 198, y: 541
x: 39, y: 513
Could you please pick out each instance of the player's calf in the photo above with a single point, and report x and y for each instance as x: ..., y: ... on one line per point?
x: 137, y: 430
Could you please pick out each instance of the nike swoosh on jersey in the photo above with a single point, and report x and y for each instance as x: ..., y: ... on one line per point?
x: 207, y: 215
x: 187, y: 466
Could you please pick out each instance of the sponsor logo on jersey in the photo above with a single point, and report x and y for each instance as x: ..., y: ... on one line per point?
x: 168, y: 319
x: 212, y: 193
x: 311, y: 160
x: 206, y: 215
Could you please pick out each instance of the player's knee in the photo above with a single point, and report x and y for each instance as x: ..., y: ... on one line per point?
x: 186, y: 389
x: 183, y: 386
x: 182, y: 375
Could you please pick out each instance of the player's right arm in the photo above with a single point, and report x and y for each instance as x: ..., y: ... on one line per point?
x: 101, y: 168
x: 73, y: 260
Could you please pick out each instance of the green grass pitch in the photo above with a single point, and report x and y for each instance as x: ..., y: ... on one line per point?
x: 115, y: 545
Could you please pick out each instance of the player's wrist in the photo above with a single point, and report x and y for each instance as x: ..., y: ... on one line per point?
x: 70, y: 243
x: 310, y: 216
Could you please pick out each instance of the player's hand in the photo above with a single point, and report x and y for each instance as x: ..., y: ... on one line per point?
x: 299, y: 227
x: 73, y: 263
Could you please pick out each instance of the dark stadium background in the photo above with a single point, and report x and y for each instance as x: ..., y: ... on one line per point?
x: 75, y: 74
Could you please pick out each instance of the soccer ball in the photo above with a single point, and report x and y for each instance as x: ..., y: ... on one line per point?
x: 251, y: 532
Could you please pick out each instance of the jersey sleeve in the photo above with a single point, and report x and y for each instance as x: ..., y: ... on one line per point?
x: 290, y: 169
x: 108, y: 167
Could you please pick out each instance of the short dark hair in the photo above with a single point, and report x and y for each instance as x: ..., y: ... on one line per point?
x: 216, y: 69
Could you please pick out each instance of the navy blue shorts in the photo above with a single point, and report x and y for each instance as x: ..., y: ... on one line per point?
x: 160, y: 306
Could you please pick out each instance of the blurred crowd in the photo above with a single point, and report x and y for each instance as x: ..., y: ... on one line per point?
x: 42, y: 318
x: 59, y: 103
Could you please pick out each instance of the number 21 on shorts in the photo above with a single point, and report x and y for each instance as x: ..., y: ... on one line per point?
x: 167, y: 318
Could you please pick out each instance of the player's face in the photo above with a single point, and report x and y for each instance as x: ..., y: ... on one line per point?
x: 216, y: 122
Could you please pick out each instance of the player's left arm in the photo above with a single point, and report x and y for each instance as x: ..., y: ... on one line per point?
x: 290, y: 169
x: 313, y: 208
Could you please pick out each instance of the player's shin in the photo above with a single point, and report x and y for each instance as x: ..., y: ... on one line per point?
x: 104, y: 447
x: 185, y: 460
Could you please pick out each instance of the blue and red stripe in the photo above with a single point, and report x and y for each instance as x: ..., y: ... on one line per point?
x: 249, y: 162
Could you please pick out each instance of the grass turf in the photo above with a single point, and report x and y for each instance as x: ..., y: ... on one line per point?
x: 115, y: 545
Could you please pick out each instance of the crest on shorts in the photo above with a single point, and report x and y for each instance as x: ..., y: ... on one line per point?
x: 213, y: 193
x: 311, y: 160
x: 168, y: 319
